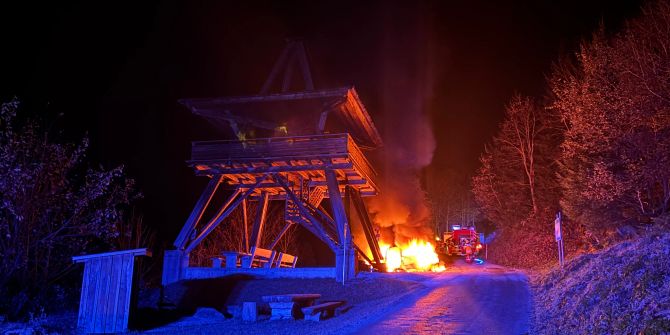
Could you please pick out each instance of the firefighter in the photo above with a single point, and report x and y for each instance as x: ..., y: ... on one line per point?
x: 468, y: 251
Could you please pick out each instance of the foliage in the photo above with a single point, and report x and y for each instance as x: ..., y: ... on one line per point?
x: 516, y: 186
x: 615, y: 105
x: 604, y: 139
x: 52, y: 206
x: 620, y: 290
x: 515, y: 179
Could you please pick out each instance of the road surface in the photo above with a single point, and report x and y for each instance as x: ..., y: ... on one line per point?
x: 469, y: 299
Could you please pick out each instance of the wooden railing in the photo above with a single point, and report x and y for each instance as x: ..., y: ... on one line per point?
x: 273, y: 148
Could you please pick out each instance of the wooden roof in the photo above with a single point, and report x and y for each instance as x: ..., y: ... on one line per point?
x: 302, y: 113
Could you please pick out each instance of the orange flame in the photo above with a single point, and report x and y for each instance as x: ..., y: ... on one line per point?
x: 418, y: 255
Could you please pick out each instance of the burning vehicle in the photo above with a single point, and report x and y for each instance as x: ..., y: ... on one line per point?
x: 417, y: 255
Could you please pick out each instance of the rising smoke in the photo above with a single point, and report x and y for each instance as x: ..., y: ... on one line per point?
x: 402, y: 211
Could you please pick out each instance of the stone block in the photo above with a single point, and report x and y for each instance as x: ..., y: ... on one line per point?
x: 249, y: 311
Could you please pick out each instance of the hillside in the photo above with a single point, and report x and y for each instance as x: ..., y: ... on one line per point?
x: 624, y: 289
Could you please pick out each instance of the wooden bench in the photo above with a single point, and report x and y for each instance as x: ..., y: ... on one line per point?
x: 321, y: 311
x: 288, y: 306
x: 259, y: 257
x: 285, y: 261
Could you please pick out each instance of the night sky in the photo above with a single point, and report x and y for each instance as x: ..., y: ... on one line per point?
x: 117, y: 70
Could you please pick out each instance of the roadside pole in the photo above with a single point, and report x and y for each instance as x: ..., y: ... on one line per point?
x: 559, y: 237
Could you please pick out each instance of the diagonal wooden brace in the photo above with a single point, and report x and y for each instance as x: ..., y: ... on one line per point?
x: 223, y: 214
x: 197, y: 212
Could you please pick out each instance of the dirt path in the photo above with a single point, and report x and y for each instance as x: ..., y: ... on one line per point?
x: 473, y: 299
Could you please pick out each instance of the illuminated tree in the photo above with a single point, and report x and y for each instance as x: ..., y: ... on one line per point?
x: 516, y: 180
x: 615, y: 105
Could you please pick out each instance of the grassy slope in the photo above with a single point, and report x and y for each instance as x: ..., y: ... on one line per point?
x: 621, y: 290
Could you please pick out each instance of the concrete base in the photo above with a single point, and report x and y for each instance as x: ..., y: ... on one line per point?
x: 174, y: 263
x: 345, y: 264
x: 249, y: 311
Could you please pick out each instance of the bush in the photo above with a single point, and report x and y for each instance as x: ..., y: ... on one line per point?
x: 53, y: 205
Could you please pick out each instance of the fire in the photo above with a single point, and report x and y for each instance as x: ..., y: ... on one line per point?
x: 418, y: 255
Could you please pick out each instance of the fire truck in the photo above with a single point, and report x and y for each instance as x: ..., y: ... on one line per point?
x: 455, y: 240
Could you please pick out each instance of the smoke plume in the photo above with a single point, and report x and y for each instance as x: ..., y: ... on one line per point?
x: 401, y: 210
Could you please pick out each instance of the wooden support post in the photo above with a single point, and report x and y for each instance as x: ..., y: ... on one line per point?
x: 288, y: 73
x: 275, y: 70
x: 347, y: 201
x: 197, y: 212
x: 280, y: 235
x: 259, y: 220
x: 345, y: 263
x: 345, y: 257
x: 215, y: 222
x: 245, y: 218
x: 304, y: 66
x: 337, y: 206
x: 367, y: 225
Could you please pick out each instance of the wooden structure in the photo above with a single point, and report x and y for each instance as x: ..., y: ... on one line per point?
x: 299, y: 147
x: 106, y: 291
x: 285, y: 260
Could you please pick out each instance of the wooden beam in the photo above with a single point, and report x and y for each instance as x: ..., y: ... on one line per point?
x: 367, y: 225
x: 266, y: 169
x: 214, y: 223
x: 276, y: 69
x: 280, y: 235
x: 316, y: 228
x: 304, y: 66
x: 195, y: 103
x: 288, y: 73
x: 245, y: 218
x: 259, y: 220
x: 339, y: 213
x: 133, y: 252
x: 197, y: 212
x: 360, y: 252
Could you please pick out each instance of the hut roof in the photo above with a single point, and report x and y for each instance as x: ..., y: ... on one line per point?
x: 303, y: 113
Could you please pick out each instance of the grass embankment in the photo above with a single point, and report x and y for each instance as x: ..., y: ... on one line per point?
x: 624, y: 289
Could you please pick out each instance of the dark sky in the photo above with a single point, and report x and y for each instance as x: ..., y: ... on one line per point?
x: 116, y: 70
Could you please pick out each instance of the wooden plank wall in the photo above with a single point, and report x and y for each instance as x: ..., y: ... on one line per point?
x: 106, y: 293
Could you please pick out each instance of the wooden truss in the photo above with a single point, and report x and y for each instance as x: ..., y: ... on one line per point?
x: 302, y: 171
